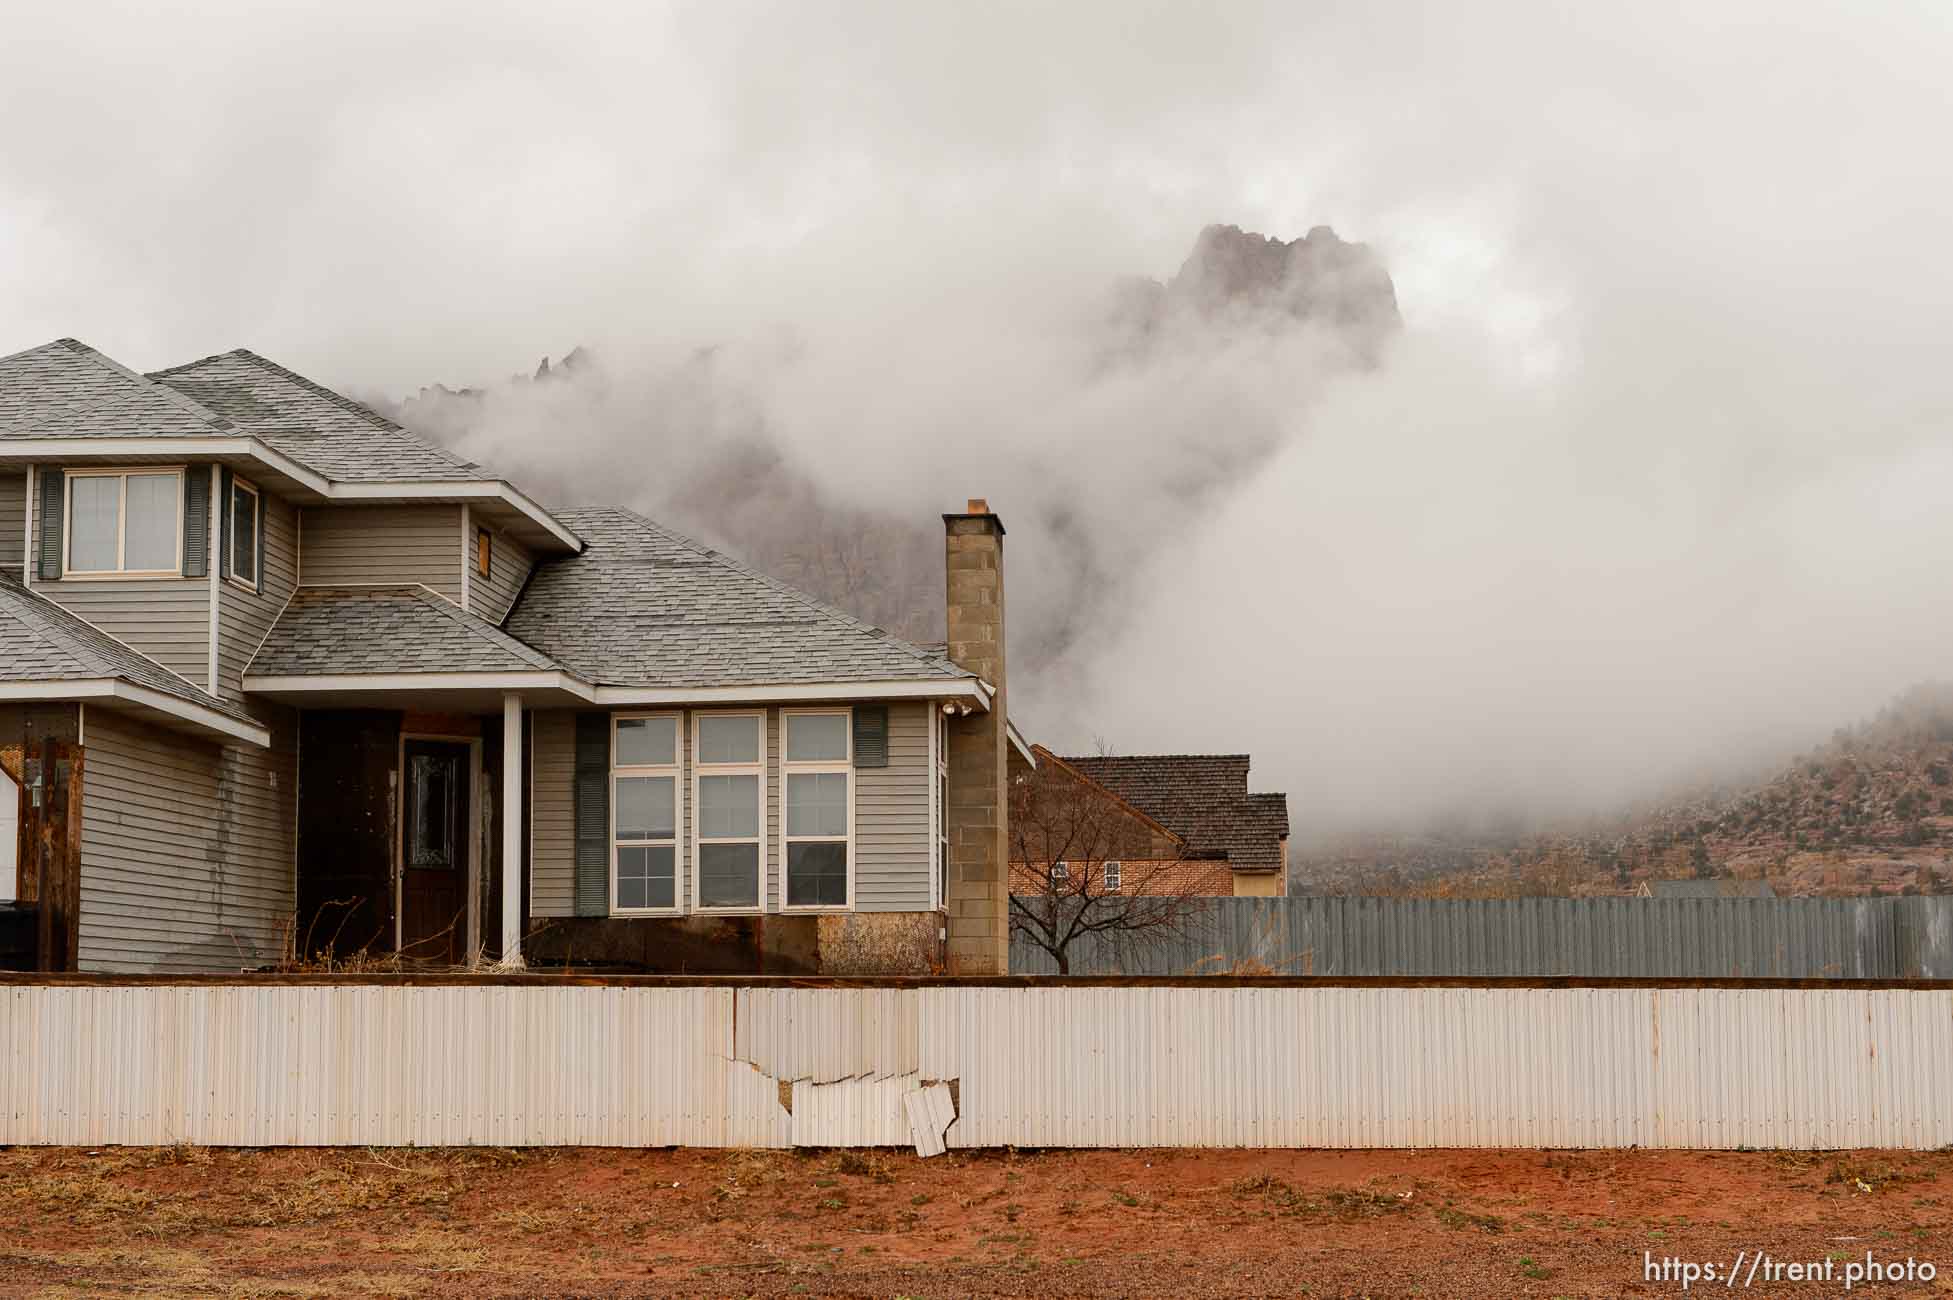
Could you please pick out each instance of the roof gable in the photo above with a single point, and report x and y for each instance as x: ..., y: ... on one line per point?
x: 645, y: 606
x: 66, y: 389
x: 330, y: 433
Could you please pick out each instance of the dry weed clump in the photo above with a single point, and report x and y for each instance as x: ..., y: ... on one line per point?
x: 1343, y: 1203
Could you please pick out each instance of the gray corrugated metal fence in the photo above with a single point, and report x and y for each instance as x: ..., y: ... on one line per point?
x: 1682, y: 938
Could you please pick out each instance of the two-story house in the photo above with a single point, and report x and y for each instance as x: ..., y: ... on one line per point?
x: 278, y: 677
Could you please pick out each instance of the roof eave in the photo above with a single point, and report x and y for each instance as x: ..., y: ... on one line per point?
x: 295, y: 478
x: 179, y: 713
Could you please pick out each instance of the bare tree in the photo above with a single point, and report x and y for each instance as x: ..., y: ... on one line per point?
x: 1084, y: 863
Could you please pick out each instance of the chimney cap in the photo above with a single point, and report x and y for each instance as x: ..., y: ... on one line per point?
x: 978, y: 510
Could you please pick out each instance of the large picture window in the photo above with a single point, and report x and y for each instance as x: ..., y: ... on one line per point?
x: 816, y: 767
x: 644, y: 775
x: 729, y: 802
x: 125, y: 522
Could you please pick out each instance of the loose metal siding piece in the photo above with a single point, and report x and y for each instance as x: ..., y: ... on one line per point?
x: 867, y: 1112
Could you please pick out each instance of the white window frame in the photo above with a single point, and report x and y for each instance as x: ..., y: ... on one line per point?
x: 675, y: 770
x: 118, y: 573
x: 1112, y: 875
x: 257, y: 533
x: 700, y: 768
x: 845, y: 767
x: 942, y: 809
x: 1060, y: 870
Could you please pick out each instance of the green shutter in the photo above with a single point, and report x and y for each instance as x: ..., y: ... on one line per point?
x: 871, y: 735
x: 54, y: 498
x: 593, y: 814
x: 196, y: 522
x: 224, y: 527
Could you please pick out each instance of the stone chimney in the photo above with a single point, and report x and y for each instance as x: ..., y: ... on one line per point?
x: 979, y: 748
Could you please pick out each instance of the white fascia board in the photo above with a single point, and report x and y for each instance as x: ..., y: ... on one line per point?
x: 459, y: 490
x: 114, y: 688
x: 948, y: 688
x: 518, y: 681
x: 133, y: 449
x: 1018, y: 743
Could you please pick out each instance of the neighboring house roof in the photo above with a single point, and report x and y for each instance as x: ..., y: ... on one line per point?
x: 644, y: 606
x: 1049, y: 764
x: 350, y: 631
x: 1204, y: 798
x: 1718, y: 887
x: 315, y: 426
x: 40, y: 642
x: 66, y: 389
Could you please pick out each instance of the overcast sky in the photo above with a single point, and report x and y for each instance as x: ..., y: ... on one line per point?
x: 1658, y: 472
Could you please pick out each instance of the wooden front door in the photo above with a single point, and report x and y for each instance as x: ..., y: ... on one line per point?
x: 434, y: 852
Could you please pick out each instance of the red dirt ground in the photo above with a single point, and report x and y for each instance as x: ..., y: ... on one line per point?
x: 192, y: 1222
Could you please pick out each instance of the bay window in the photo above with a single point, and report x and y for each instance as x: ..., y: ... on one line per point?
x: 125, y: 522
x: 644, y: 774
x: 729, y: 802
x: 817, y: 768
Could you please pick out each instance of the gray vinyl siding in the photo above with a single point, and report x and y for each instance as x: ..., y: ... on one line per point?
x: 13, y: 520
x: 187, y: 847
x: 552, y: 815
x: 891, y: 809
x: 509, y: 562
x: 358, y: 545
x: 167, y: 619
x: 245, y: 616
x: 891, y: 816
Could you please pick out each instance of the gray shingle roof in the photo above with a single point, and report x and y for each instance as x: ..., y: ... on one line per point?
x: 315, y: 426
x: 644, y: 606
x: 42, y: 642
x: 404, y: 629
x: 1203, y: 798
x: 66, y: 389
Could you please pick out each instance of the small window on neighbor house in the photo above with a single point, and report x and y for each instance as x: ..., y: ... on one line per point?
x: 1112, y: 872
x: 244, y: 532
x: 1061, y: 871
x: 484, y: 552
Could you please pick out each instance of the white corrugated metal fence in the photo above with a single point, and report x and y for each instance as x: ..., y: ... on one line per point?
x: 1058, y: 1066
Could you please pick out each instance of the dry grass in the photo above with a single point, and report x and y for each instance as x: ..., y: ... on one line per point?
x: 440, y: 1250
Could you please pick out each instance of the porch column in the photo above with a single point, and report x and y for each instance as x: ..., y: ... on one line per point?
x: 512, y: 830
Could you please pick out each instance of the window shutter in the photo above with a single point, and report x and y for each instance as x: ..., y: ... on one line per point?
x: 224, y: 529
x: 871, y: 735
x: 262, y: 510
x: 54, y: 497
x: 196, y: 523
x: 592, y: 814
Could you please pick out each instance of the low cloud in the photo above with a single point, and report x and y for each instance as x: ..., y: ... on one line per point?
x: 1651, y: 480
